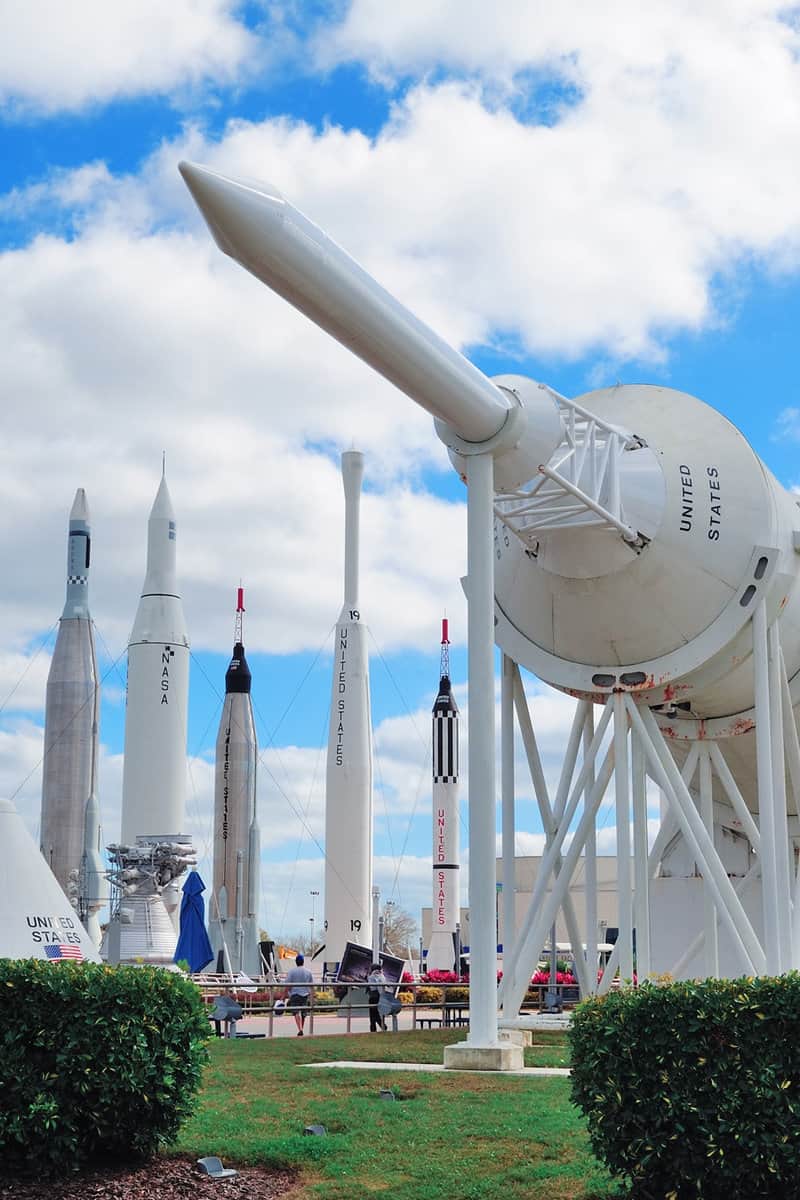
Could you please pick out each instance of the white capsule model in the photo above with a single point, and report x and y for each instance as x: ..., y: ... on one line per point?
x: 37, y: 920
x: 348, y: 780
x: 442, y: 951
x: 233, y: 905
x: 645, y: 561
x: 71, y: 731
x: 153, y: 850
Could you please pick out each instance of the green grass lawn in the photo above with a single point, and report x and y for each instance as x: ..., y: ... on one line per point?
x: 447, y: 1136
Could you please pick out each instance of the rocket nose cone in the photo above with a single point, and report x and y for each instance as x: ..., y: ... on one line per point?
x: 229, y: 206
x: 80, y: 508
x: 162, y: 505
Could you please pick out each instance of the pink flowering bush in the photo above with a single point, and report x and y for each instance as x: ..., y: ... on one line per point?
x: 565, y: 977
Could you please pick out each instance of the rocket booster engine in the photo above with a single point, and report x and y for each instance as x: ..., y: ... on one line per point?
x: 154, y: 850
x: 636, y: 530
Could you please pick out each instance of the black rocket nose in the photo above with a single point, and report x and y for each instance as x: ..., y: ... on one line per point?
x: 237, y: 676
x: 444, y: 701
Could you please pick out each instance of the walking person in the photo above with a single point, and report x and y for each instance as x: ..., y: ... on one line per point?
x: 297, y: 992
x: 376, y: 981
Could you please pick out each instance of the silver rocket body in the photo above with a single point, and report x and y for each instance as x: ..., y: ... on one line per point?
x: 72, y: 711
x: 153, y: 851
x: 233, y: 906
x: 348, y: 790
x: 445, y: 851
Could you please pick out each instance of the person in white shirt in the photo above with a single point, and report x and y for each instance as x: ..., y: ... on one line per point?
x: 297, y: 992
x: 376, y: 981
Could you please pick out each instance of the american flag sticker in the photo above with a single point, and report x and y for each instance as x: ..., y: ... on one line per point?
x: 60, y: 951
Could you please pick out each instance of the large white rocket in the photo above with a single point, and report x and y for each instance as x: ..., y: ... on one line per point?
x: 70, y: 818
x: 446, y: 857
x: 348, y: 790
x: 154, y: 851
x: 233, y: 907
x: 154, y: 776
x: 644, y: 559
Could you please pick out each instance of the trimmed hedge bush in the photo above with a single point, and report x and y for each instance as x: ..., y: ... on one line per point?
x: 693, y: 1090
x: 94, y: 1061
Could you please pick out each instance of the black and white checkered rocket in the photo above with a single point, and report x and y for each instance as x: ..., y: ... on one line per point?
x: 446, y: 858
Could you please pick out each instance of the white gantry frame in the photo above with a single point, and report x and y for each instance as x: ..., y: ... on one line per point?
x: 579, y: 486
x: 627, y: 743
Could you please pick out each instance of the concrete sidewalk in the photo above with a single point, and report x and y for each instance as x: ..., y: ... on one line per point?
x: 323, y: 1025
x: 434, y: 1067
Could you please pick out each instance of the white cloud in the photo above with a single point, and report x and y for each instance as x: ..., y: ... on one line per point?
x: 57, y: 57
x: 23, y: 678
x: 115, y: 346
x: 603, y: 231
x: 787, y: 425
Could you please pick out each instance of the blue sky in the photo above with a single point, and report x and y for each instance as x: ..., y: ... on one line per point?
x: 579, y: 197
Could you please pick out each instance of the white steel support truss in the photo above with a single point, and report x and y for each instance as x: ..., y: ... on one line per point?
x: 627, y: 744
x: 579, y: 486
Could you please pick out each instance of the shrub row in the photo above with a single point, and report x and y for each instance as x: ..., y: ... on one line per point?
x: 94, y: 1061
x: 693, y: 1089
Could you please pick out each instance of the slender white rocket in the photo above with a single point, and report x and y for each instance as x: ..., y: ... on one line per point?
x: 72, y: 710
x: 154, y: 776
x: 446, y: 857
x: 348, y: 803
x: 233, y: 910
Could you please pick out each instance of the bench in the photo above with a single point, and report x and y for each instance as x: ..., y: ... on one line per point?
x: 429, y: 1021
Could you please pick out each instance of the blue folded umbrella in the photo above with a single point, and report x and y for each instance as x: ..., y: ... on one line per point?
x: 193, y: 945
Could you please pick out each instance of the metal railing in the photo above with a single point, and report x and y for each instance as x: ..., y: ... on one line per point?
x: 258, y: 999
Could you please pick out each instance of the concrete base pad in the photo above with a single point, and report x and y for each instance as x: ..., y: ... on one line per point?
x: 516, y: 1037
x: 464, y: 1057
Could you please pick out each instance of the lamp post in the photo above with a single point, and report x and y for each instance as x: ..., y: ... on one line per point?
x: 313, y: 896
x: 387, y: 916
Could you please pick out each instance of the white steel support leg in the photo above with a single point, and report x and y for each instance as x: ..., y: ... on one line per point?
x: 552, y: 854
x: 779, y: 796
x: 507, y: 800
x: 623, y: 815
x: 544, y: 909
x: 729, y: 785
x: 701, y: 846
x: 791, y: 744
x: 641, y: 866
x: 482, y: 800
x: 667, y: 830
x: 766, y: 803
x: 709, y: 907
x: 590, y: 865
x: 548, y: 820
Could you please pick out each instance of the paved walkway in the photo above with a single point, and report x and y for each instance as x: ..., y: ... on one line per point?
x: 331, y: 1024
x: 435, y: 1067
x: 284, y: 1026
